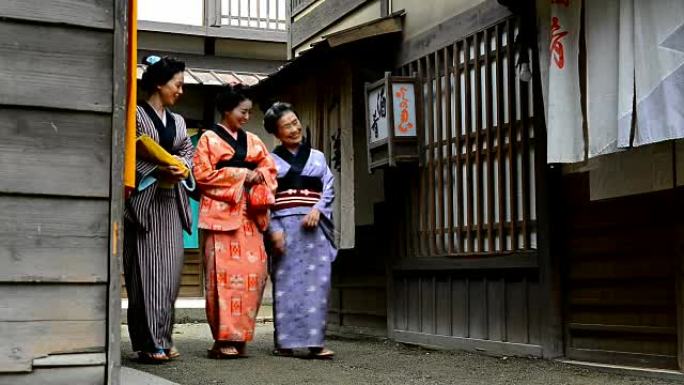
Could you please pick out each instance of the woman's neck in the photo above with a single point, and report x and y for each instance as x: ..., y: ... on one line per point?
x: 293, y: 148
x: 156, y: 103
x: 231, y: 130
x: 229, y: 127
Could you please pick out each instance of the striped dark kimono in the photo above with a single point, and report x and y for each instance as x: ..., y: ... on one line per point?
x: 153, y: 239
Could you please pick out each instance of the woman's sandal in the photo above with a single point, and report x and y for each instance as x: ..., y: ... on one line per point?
x: 172, y: 353
x: 156, y: 357
x: 283, y: 352
x: 321, y: 353
x: 223, y: 352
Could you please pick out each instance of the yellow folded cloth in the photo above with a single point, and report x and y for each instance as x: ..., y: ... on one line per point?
x: 150, y: 150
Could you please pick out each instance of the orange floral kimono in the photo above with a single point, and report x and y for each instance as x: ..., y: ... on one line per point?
x: 235, y: 260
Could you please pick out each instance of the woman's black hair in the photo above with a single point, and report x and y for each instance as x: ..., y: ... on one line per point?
x: 273, y: 115
x: 230, y: 97
x: 159, y: 71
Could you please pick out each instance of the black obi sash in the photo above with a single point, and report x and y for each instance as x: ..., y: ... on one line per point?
x: 239, y: 147
x: 167, y: 133
x: 294, y: 180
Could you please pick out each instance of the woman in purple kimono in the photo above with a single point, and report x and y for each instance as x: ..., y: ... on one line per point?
x: 301, y: 230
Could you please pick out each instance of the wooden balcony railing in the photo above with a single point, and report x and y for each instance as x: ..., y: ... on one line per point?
x: 253, y: 14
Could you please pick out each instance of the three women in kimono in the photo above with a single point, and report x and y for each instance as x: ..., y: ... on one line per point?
x: 230, y: 165
x: 156, y: 215
x: 302, y: 237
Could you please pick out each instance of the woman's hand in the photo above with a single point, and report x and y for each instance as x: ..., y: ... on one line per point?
x: 254, y: 177
x: 278, y: 242
x: 310, y: 221
x: 171, y: 174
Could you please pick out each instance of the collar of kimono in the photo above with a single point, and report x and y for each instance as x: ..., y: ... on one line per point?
x: 297, y: 161
x: 239, y: 147
x: 166, y: 132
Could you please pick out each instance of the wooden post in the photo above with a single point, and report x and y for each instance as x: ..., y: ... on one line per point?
x: 116, y: 194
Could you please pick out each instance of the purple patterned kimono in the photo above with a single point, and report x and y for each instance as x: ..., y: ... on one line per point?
x: 301, y: 277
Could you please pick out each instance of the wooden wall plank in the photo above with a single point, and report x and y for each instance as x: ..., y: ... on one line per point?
x: 535, y: 311
x: 52, y: 239
x: 27, y: 302
x: 24, y: 341
x: 427, y: 301
x: 443, y: 306
x: 399, y: 305
x: 478, y: 309
x: 459, y: 311
x: 54, y: 152
x: 516, y: 317
x: 91, y: 375
x: 413, y: 301
x: 496, y: 309
x: 52, y: 66
x: 86, y: 13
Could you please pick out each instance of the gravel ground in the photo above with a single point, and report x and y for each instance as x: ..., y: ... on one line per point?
x: 360, y: 363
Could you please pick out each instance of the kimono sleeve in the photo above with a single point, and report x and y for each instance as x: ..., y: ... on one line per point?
x: 225, y: 184
x: 186, y: 150
x: 324, y: 204
x: 267, y: 167
x: 143, y: 168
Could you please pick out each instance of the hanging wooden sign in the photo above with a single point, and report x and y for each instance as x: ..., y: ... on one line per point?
x: 394, y: 121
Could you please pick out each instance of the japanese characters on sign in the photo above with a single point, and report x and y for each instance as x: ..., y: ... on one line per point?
x: 558, y: 33
x: 377, y: 108
x: 404, y: 109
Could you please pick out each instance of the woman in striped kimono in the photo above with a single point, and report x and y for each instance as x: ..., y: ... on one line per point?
x: 156, y: 215
x: 229, y: 166
x: 302, y: 237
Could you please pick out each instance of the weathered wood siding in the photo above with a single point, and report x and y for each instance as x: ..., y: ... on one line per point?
x: 620, y: 276
x: 60, y: 110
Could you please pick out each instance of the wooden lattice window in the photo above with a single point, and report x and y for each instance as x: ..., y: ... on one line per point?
x: 475, y: 193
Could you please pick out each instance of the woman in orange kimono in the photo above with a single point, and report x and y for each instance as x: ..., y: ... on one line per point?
x: 229, y: 165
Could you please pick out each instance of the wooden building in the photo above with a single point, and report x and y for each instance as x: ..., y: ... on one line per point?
x: 483, y: 247
x: 62, y: 105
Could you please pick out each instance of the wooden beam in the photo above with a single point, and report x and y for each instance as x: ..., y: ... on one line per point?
x: 622, y: 358
x: 301, y: 6
x: 469, y: 344
x: 81, y: 13
x: 521, y: 260
x: 477, y: 18
x: 223, y: 32
x: 116, y: 201
x: 321, y: 17
x: 366, y: 30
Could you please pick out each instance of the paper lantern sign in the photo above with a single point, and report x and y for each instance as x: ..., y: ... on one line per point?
x: 393, y: 121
